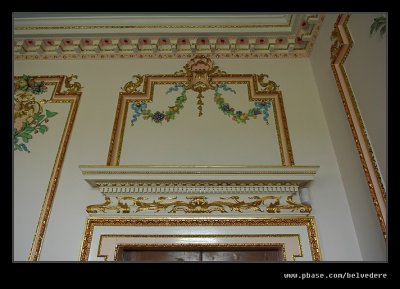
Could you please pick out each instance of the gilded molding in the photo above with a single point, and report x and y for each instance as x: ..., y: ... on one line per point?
x: 276, y: 186
x: 197, y: 172
x: 118, y: 47
x: 199, y: 74
x: 92, y: 222
x: 200, y: 246
x: 97, y: 56
x: 150, y: 26
x: 120, y: 247
x: 198, y: 204
x: 58, y: 96
x: 342, y: 44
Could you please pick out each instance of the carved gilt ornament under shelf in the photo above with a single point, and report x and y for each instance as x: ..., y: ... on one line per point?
x: 133, y: 190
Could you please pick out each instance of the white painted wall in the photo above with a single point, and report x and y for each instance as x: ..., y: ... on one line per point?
x: 370, y: 238
x: 366, y: 66
x: 311, y: 142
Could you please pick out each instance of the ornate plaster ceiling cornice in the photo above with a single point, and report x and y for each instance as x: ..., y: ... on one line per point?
x: 149, y: 36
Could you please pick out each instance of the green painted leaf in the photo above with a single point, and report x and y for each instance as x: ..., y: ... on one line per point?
x: 50, y: 114
x: 24, y: 125
x: 26, y: 77
x: 43, y: 128
x: 17, y: 147
x: 38, y: 117
x: 25, y: 139
x: 29, y: 129
x: 25, y: 135
x: 383, y: 30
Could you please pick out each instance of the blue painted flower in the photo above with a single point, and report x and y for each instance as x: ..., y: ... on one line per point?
x: 225, y: 87
x: 25, y: 148
x: 175, y: 87
x: 261, y: 104
x: 134, y: 118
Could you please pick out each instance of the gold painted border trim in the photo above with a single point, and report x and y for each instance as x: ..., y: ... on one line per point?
x: 92, y: 222
x: 100, y: 56
x: 193, y: 166
x: 152, y: 26
x: 300, y: 248
x: 197, y: 172
x: 201, y: 246
x: 339, y: 52
x: 147, y: 26
x: 149, y: 81
x: 57, y: 97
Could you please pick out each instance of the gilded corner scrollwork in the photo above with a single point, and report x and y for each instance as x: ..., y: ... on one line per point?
x: 131, y: 87
x: 269, y: 86
x: 198, y: 204
x: 72, y: 87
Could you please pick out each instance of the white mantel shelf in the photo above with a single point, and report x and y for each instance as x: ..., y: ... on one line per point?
x: 298, y: 175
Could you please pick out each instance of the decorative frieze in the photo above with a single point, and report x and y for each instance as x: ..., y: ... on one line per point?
x: 260, y: 41
x: 132, y: 195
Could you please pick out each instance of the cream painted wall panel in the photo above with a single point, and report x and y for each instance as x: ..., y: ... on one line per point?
x: 312, y: 145
x: 366, y: 66
x: 212, y: 139
x: 92, y: 130
x: 369, y: 235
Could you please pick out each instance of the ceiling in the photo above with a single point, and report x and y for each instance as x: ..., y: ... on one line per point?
x: 79, y: 35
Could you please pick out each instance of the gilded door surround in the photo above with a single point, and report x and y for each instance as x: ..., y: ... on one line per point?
x: 342, y: 44
x: 200, y: 75
x: 93, y: 222
x: 70, y: 96
x: 191, y: 242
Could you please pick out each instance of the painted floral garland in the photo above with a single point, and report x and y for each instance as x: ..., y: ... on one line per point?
x: 28, y: 116
x: 140, y: 108
x: 160, y: 116
x: 237, y: 115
